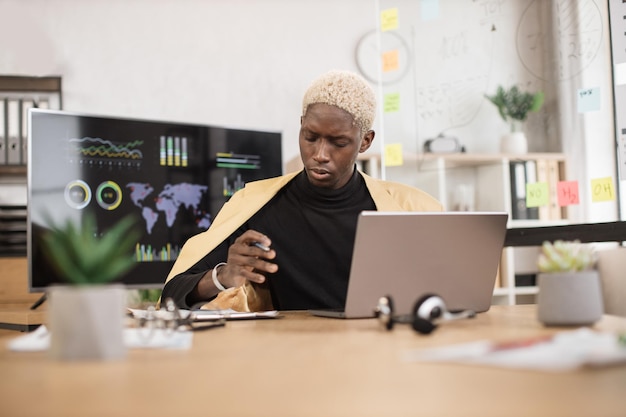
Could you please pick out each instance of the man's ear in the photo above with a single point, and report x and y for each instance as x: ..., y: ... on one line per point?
x: 367, y: 140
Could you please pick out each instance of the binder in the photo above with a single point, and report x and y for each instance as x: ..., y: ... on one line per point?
x: 519, y: 211
x: 522, y: 173
x: 3, y: 132
x: 554, y: 176
x: 542, y: 176
x: 43, y: 103
x: 27, y: 104
x: 14, y: 151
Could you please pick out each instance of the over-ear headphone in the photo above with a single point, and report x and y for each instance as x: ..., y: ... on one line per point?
x: 429, y: 310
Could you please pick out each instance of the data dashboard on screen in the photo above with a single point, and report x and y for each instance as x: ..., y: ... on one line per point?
x: 172, y: 177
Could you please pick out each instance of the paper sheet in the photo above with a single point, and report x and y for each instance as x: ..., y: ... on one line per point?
x: 563, y: 352
x: 39, y: 339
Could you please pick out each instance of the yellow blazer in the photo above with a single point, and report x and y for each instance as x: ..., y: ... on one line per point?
x: 388, y: 196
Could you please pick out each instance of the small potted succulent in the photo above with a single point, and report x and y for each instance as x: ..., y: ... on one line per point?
x: 86, y: 315
x: 513, y: 105
x: 569, y: 285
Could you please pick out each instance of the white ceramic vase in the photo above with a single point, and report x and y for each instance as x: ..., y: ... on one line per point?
x: 514, y: 143
x: 569, y: 298
x: 87, y: 322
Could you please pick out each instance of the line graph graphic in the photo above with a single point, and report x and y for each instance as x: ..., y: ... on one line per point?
x: 102, y: 152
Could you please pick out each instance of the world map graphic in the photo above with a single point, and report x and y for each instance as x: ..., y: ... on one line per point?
x: 168, y: 203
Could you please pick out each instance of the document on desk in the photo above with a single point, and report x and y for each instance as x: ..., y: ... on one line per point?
x: 204, y: 315
x: 561, y: 352
x: 233, y: 315
x: 39, y: 339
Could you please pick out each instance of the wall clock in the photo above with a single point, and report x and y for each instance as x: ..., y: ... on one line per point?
x: 369, y: 59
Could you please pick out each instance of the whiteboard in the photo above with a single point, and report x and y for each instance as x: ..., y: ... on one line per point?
x: 460, y: 50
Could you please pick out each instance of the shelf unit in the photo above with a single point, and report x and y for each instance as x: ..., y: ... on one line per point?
x: 18, y: 94
x: 488, y: 178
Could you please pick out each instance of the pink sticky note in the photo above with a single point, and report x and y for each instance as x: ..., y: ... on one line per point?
x: 567, y: 192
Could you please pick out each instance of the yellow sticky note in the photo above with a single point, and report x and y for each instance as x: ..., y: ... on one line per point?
x: 602, y: 189
x: 393, y: 154
x: 390, y: 61
x: 391, y: 102
x: 389, y: 19
x: 537, y: 194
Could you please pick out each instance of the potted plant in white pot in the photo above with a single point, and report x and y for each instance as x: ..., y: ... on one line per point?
x: 86, y: 316
x: 570, y: 293
x: 514, y: 105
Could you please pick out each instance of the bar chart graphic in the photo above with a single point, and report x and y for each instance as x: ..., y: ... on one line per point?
x: 173, y: 151
x: 238, y: 161
x: 149, y: 253
x: 231, y: 187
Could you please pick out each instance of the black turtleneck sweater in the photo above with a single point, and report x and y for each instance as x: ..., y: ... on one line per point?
x: 312, y: 231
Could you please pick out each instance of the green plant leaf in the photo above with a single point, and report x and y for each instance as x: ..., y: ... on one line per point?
x: 565, y: 256
x: 514, y: 104
x: 81, y: 257
x: 537, y: 101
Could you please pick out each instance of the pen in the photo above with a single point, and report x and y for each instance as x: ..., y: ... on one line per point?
x: 517, y: 344
x: 261, y: 246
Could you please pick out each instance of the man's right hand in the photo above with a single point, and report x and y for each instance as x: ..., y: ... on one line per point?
x: 246, y: 262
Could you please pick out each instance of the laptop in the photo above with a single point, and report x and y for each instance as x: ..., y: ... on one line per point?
x: 408, y: 254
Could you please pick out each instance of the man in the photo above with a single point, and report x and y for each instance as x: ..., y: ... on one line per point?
x: 286, y: 242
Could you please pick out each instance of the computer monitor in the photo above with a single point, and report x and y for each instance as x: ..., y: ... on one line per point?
x: 174, y: 177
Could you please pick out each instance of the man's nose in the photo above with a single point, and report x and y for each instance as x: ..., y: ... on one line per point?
x: 321, y: 151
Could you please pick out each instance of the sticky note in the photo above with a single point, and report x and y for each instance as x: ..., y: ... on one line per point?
x: 537, y: 194
x: 390, y: 61
x: 429, y: 9
x: 567, y: 193
x: 619, y: 73
x: 391, y: 102
x: 389, y: 19
x: 393, y: 155
x: 588, y: 99
x: 602, y: 189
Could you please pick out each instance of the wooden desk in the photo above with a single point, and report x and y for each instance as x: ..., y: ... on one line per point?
x: 305, y: 366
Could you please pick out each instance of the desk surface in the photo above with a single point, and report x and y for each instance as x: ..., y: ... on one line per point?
x: 301, y: 365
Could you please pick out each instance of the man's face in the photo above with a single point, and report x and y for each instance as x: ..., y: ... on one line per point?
x: 329, y: 145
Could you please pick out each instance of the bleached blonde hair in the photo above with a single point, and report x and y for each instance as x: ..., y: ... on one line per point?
x: 346, y: 90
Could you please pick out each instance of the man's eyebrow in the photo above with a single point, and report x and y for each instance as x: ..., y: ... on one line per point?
x: 331, y: 137
x: 338, y: 137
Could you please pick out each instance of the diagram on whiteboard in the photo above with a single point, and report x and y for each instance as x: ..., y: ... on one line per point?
x: 470, y: 48
x: 558, y: 40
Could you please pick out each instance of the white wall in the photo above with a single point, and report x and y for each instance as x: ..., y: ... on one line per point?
x: 246, y: 63
x: 237, y: 63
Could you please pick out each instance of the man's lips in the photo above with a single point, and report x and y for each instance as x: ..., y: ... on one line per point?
x: 319, y: 172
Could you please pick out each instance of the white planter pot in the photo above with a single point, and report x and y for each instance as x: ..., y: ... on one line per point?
x: 87, y: 323
x: 569, y: 298
x: 514, y: 143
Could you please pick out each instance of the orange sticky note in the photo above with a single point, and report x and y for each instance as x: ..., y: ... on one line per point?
x: 537, y: 194
x: 393, y: 155
x: 389, y: 19
x: 391, y: 102
x: 602, y: 189
x: 567, y: 193
x: 390, y: 60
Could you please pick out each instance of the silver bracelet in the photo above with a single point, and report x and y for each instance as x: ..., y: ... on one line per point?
x: 214, y: 277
